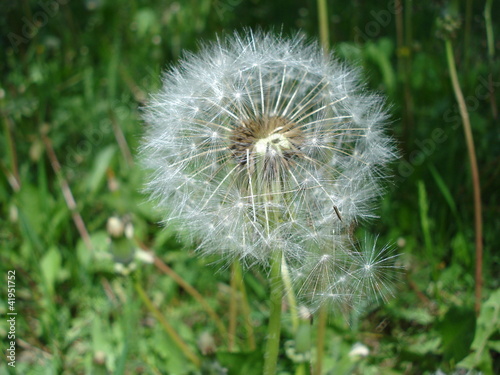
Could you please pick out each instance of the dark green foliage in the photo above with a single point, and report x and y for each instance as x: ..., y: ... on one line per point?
x: 75, y: 75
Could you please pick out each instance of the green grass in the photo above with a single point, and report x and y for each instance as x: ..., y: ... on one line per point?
x: 77, y: 87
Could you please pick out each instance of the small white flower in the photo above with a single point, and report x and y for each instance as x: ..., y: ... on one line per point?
x: 359, y: 350
x: 115, y: 227
x: 144, y: 256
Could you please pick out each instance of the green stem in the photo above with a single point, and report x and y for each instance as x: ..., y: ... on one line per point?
x: 403, y: 38
x: 478, y: 221
x: 489, y: 28
x: 245, y: 307
x: 290, y: 295
x: 323, y: 25
x: 301, y: 369
x: 16, y: 180
x: 320, y: 343
x: 491, y: 54
x: 166, y: 325
x: 233, y: 308
x: 468, y: 22
x: 325, y: 42
x: 274, y: 327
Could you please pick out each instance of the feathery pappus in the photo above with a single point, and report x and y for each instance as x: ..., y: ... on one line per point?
x: 260, y: 142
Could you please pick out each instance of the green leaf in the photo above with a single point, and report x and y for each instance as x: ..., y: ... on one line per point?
x: 381, y: 53
x: 247, y: 363
x: 424, y: 344
x: 423, y: 203
x: 445, y: 191
x: 170, y: 353
x: 480, y: 360
x: 51, y: 266
x: 146, y: 20
x: 101, y: 163
x: 488, y: 322
x: 457, y: 331
x: 99, y: 258
x: 495, y: 345
x: 101, y: 343
x: 488, y: 325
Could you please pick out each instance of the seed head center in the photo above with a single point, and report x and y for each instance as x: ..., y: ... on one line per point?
x: 274, y: 142
x: 266, y: 137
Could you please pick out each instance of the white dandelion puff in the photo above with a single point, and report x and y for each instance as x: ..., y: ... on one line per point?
x: 347, y: 275
x: 375, y: 270
x: 259, y: 143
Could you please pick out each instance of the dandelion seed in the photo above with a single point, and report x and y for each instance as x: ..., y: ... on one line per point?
x: 343, y: 278
x: 373, y: 271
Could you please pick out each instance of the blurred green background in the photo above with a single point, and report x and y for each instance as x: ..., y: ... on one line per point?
x: 74, y: 75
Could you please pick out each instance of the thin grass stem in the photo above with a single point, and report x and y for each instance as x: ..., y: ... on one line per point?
x: 467, y: 34
x: 491, y: 54
x: 478, y: 221
x: 167, y: 326
x: 245, y: 307
x: 14, y: 164
x: 68, y: 195
x: 233, y: 308
x: 193, y: 293
x: 121, y: 140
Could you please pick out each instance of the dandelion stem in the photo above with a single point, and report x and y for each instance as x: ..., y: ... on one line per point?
x: 290, y: 295
x: 474, y: 170
x: 320, y: 343
x: 274, y: 327
x: 323, y: 25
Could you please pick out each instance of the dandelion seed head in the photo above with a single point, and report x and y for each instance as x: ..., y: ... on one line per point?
x: 260, y: 142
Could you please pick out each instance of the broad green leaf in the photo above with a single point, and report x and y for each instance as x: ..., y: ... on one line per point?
x: 101, y: 163
x: 457, y: 332
x: 488, y: 325
x: 488, y: 322
x: 243, y: 363
x: 50, y: 266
